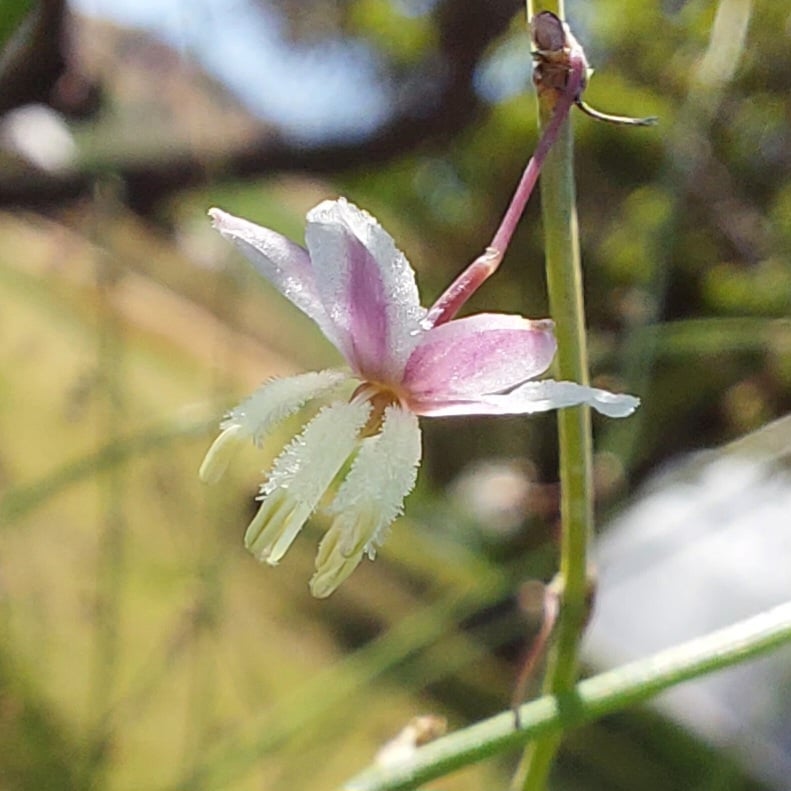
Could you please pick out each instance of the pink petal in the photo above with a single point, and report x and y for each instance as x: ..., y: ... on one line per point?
x: 283, y: 263
x: 534, y: 397
x: 367, y: 287
x: 478, y: 355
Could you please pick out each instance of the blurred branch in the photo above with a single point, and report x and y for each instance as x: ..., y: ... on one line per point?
x: 34, y: 58
x: 37, y: 64
x: 18, y: 501
x: 422, y: 118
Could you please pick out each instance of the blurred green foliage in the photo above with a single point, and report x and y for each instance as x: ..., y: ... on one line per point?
x: 12, y: 12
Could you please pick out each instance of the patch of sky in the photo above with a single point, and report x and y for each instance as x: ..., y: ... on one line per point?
x: 506, y: 72
x: 313, y: 92
x: 414, y: 8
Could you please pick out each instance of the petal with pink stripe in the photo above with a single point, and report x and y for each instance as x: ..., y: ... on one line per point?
x: 478, y: 355
x: 367, y: 287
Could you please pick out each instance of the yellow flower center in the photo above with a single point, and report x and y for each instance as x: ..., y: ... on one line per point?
x: 380, y: 397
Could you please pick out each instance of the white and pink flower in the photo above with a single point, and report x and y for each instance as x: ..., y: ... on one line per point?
x: 404, y: 362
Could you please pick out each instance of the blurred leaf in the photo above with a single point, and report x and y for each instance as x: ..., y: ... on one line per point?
x: 12, y: 14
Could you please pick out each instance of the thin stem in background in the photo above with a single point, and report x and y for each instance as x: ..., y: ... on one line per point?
x: 112, y: 529
x: 315, y: 703
x: 209, y: 567
x: 687, y: 153
x: 591, y: 699
x: 24, y: 499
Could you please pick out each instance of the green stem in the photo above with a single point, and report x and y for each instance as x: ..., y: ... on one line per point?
x: 593, y: 698
x: 564, y: 281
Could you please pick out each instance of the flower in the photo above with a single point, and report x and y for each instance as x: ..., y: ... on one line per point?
x: 361, y: 291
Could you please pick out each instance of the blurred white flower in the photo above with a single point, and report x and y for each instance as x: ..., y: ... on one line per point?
x: 39, y: 135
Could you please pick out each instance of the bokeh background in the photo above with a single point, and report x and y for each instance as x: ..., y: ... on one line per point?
x: 142, y: 647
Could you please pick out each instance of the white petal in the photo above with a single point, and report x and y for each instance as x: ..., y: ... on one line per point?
x: 537, y: 397
x: 549, y: 394
x: 301, y: 475
x: 332, y: 230
x: 285, y: 264
x: 278, y: 399
x: 369, y: 500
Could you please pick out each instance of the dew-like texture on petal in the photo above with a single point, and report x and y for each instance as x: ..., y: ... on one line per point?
x: 285, y: 264
x: 538, y: 397
x: 384, y: 471
x: 311, y: 460
x: 301, y: 475
x: 367, y: 287
x: 278, y: 399
x: 477, y: 355
x: 370, y: 499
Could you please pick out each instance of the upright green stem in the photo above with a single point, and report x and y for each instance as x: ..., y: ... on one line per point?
x: 564, y: 278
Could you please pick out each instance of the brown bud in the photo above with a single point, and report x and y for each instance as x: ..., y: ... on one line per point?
x: 552, y: 41
x: 548, y: 32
